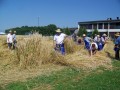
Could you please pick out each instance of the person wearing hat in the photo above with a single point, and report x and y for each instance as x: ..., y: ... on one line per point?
x: 94, y: 48
x: 103, y: 39
x: 117, y: 45
x: 59, y: 41
x: 117, y: 37
x: 14, y: 40
x: 9, y: 39
x: 87, y: 43
x: 95, y: 38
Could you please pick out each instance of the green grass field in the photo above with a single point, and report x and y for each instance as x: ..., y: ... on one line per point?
x: 72, y: 79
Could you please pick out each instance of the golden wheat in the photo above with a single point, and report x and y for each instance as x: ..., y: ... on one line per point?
x: 35, y: 50
x: 36, y: 53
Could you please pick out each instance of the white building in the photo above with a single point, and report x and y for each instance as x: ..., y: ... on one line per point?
x: 109, y: 26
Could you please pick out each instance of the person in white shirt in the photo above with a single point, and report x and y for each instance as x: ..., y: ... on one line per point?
x: 9, y: 39
x: 104, y: 39
x: 59, y: 41
x: 95, y: 38
x: 14, y: 40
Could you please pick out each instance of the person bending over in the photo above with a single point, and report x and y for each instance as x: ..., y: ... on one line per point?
x: 94, y: 48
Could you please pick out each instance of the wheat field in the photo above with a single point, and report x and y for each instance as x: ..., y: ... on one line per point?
x: 35, y: 56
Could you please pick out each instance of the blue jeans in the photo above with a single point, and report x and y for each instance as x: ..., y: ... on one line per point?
x: 61, y: 48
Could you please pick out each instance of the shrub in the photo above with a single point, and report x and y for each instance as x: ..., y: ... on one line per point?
x: 95, y: 32
x: 67, y: 31
x: 82, y: 31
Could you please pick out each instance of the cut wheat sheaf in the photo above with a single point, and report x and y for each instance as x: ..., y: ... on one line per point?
x: 36, y: 50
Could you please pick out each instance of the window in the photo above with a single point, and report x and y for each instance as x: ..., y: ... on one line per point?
x: 106, y: 26
x: 95, y: 26
x: 100, y: 26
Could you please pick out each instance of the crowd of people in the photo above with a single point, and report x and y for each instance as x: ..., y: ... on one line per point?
x: 95, y: 44
x: 92, y: 45
x: 11, y: 40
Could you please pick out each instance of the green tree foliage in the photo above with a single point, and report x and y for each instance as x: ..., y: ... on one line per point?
x: 95, y: 32
x: 67, y: 31
x: 52, y: 29
x: 44, y: 30
x: 82, y: 31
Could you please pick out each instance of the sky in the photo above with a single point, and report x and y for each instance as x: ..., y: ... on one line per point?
x: 63, y: 13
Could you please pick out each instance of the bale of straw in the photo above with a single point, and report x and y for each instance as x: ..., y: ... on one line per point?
x: 71, y: 46
x: 36, y: 50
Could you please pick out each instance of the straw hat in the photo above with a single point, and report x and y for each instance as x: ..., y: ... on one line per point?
x: 104, y: 35
x: 84, y: 35
x: 58, y: 30
x: 98, y: 35
x: 117, y: 34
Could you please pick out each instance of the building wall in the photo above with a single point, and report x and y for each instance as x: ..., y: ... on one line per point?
x: 101, y: 26
x: 110, y: 28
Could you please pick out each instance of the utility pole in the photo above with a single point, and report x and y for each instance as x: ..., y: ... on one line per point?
x: 108, y: 29
x: 38, y: 21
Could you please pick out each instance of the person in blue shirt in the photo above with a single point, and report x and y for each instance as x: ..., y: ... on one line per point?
x: 117, y: 46
x: 87, y: 42
x: 98, y: 41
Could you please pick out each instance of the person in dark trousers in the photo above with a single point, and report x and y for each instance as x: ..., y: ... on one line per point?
x: 14, y: 40
x: 104, y: 39
x: 116, y: 49
x: 117, y: 45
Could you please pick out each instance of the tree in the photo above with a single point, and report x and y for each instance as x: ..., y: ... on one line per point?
x: 95, y: 32
x: 67, y: 31
x: 82, y: 31
x: 44, y: 30
x: 52, y: 29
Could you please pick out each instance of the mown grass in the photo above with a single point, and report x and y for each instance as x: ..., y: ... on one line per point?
x: 73, y: 79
